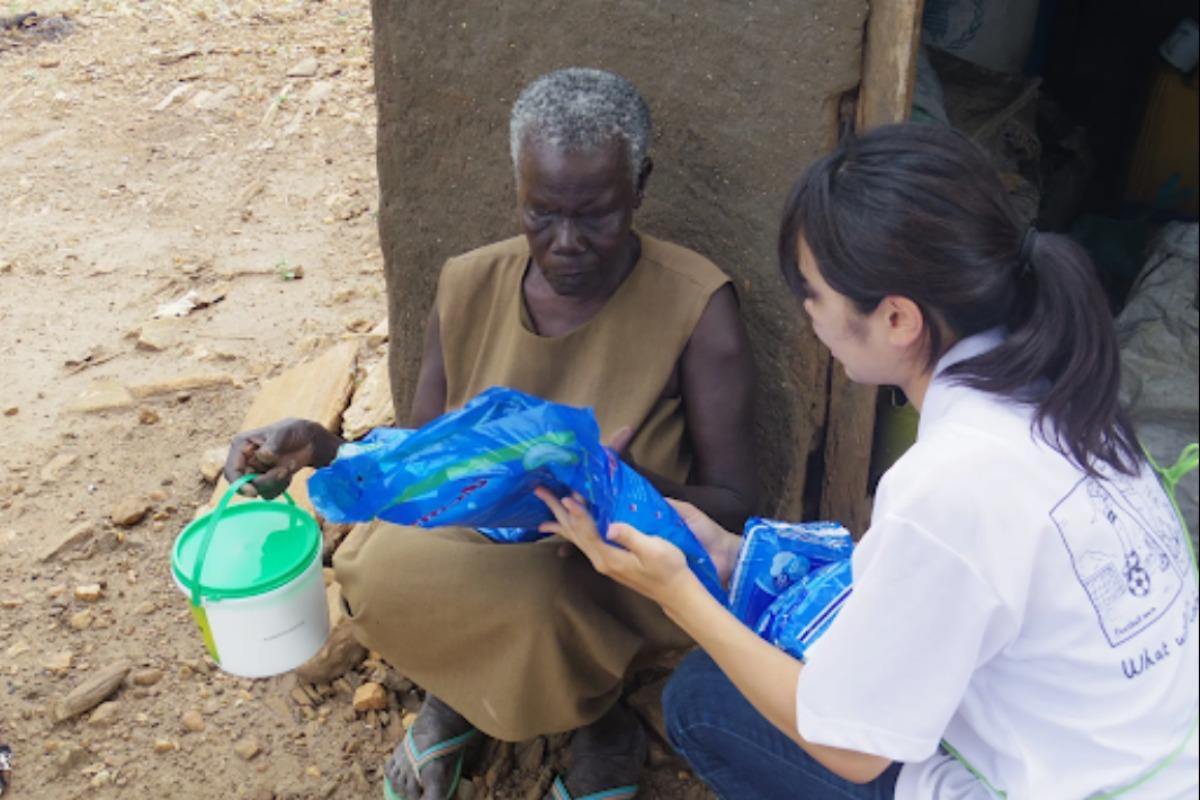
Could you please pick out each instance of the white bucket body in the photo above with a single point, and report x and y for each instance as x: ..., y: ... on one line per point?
x: 271, y: 633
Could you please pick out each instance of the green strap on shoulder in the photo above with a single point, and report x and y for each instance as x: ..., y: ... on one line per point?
x: 1189, y: 459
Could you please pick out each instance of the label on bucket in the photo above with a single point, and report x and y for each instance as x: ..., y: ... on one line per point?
x: 202, y: 620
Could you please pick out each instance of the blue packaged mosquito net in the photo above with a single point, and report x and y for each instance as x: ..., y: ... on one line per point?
x: 791, y: 580
x: 478, y: 466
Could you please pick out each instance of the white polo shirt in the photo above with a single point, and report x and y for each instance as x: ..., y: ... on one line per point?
x: 1040, y: 621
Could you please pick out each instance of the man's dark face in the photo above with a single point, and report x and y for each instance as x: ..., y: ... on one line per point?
x: 576, y: 209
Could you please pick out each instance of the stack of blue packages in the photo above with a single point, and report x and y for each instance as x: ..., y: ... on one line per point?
x: 478, y: 467
x: 791, y: 580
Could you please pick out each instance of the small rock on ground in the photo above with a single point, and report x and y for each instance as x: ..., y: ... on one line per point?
x: 305, y: 68
x: 247, y: 748
x: 370, y: 697
x: 192, y: 720
x: 130, y: 511
x: 105, y: 714
x: 146, y: 677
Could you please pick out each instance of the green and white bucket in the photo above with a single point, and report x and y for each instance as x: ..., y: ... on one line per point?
x: 252, y: 572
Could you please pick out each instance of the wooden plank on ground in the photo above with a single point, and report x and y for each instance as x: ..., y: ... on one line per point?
x: 885, y: 96
x: 318, y: 390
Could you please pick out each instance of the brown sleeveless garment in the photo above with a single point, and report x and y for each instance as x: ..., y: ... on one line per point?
x: 519, y: 640
x: 619, y: 362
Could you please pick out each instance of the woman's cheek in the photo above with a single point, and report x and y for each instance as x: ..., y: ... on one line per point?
x: 819, y: 328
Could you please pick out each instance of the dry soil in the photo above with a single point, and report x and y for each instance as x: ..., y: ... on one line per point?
x: 172, y: 153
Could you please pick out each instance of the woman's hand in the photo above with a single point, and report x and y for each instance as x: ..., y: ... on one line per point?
x: 650, y: 566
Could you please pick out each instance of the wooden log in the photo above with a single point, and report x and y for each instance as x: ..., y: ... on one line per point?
x: 889, y: 62
x: 885, y: 96
x: 848, y: 452
x: 93, y: 691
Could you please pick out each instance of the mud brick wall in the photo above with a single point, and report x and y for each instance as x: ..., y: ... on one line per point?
x: 744, y: 95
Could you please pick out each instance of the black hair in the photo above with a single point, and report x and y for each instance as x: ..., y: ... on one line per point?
x: 918, y: 211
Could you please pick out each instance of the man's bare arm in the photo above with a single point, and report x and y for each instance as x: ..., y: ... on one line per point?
x: 717, y: 380
x: 429, y: 399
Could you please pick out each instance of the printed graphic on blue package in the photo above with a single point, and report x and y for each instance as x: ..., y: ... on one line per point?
x: 805, y: 611
x: 777, y: 567
x: 776, y: 555
x: 478, y: 466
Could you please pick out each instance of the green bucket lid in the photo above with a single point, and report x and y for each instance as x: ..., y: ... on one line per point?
x: 246, y: 549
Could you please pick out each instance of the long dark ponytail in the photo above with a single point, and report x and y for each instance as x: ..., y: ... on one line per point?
x: 918, y: 211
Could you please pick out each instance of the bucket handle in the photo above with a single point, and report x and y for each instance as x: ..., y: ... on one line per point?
x: 214, y: 518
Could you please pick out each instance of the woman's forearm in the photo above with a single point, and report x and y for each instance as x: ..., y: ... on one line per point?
x: 765, y: 675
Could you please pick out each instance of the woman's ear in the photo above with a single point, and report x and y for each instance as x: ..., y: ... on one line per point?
x: 905, y: 321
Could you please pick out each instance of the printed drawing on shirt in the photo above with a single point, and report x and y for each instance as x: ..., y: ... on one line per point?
x: 1127, y: 548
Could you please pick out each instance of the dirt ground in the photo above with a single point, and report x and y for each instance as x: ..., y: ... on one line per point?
x: 150, y: 150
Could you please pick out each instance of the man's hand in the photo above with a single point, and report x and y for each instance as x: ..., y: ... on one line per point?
x: 722, y: 546
x: 278, y: 451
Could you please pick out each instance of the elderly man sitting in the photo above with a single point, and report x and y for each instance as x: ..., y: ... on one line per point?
x: 522, y: 640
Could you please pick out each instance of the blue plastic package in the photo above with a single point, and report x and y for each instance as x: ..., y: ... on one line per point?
x: 806, y: 610
x: 777, y: 555
x: 478, y: 467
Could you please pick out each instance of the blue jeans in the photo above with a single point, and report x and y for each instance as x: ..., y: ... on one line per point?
x: 738, y: 753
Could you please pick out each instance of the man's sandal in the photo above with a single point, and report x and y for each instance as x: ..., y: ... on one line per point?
x: 559, y: 792
x: 456, y: 746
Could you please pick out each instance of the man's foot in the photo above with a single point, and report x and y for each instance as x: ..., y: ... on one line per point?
x: 606, y: 755
x: 430, y: 772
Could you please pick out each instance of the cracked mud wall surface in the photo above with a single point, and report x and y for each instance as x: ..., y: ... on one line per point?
x: 743, y: 95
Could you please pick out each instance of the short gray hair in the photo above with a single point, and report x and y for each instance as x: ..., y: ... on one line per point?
x: 580, y: 109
